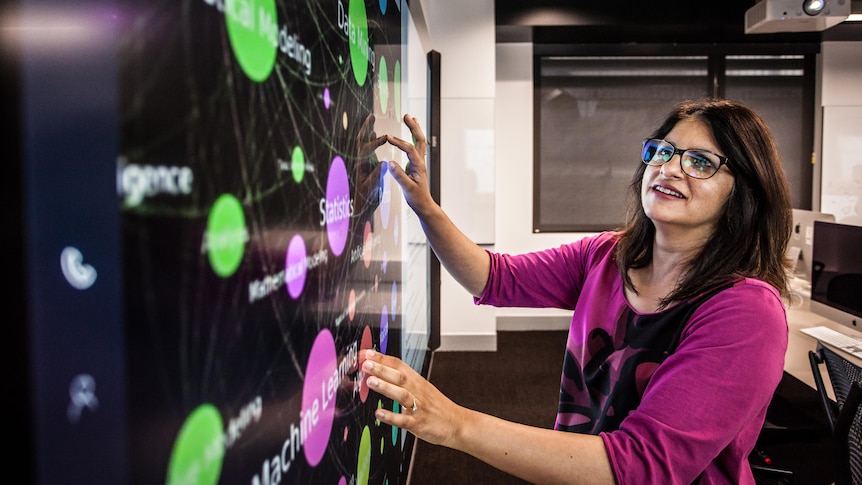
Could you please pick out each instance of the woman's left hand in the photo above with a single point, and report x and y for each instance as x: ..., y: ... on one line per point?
x: 425, y: 411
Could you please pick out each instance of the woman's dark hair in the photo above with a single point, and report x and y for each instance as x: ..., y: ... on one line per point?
x: 751, y: 238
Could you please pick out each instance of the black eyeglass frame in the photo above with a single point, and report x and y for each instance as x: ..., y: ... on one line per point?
x: 676, y: 151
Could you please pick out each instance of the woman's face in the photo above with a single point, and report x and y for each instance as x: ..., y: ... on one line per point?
x: 675, y: 201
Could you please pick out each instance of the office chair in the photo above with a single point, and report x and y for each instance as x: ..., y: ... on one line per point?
x: 787, y: 427
x: 844, y: 415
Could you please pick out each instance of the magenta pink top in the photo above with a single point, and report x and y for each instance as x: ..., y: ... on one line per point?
x: 677, y: 399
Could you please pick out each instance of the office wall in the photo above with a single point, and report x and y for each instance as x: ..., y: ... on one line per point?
x: 464, y: 326
x: 464, y: 34
x: 841, y: 152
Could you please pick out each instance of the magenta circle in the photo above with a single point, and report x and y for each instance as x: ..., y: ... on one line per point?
x: 318, y: 396
x: 295, y: 267
x: 337, y: 207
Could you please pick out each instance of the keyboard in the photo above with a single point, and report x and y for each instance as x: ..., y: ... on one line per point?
x: 845, y: 343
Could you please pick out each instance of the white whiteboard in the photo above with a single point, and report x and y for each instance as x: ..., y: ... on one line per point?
x: 841, y: 187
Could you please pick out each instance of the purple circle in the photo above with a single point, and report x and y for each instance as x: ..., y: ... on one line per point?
x: 384, y: 329
x: 327, y: 98
x: 295, y: 267
x: 385, y: 196
x: 336, y: 207
x: 318, y: 396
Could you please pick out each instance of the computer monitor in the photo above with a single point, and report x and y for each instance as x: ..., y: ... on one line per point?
x: 836, y: 284
x: 801, y: 239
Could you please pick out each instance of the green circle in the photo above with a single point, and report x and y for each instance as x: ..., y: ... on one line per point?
x: 383, y: 84
x: 363, y: 464
x: 358, y: 40
x: 252, y: 28
x: 297, y: 164
x: 396, y: 81
x: 199, y: 449
x: 226, y: 235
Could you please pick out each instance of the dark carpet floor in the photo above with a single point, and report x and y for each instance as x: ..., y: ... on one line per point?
x: 520, y: 382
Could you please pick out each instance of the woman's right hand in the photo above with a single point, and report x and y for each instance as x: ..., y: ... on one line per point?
x: 413, y: 179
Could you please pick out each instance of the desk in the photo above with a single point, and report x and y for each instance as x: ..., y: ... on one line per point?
x: 798, y: 344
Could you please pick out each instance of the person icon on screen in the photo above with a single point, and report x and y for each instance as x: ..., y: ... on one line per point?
x: 678, y: 333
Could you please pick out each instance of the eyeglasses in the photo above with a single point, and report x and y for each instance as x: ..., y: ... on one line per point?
x: 699, y: 164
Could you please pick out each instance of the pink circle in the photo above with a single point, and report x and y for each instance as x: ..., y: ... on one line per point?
x: 318, y: 396
x: 366, y: 343
x: 367, y: 241
x: 337, y: 207
x: 295, y: 267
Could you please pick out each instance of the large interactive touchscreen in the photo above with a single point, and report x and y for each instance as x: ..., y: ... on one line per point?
x: 265, y: 245
x: 261, y: 244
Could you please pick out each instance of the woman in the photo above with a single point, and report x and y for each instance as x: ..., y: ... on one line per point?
x: 678, y: 332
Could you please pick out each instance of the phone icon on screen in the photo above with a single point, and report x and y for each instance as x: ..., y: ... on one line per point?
x: 78, y: 274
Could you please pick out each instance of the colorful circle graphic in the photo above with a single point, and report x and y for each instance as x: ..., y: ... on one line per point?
x: 383, y: 84
x: 196, y: 458
x: 358, y: 40
x: 367, y: 243
x: 337, y: 207
x: 318, y: 396
x: 363, y: 463
x: 297, y: 164
x: 327, y: 98
x: 364, y: 344
x: 396, y: 82
x: 385, y: 196
x: 226, y: 235
x: 384, y: 329
x: 252, y: 27
x: 295, y: 267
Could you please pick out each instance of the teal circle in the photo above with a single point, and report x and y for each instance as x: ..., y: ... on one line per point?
x: 198, y: 452
x: 358, y: 41
x: 252, y: 27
